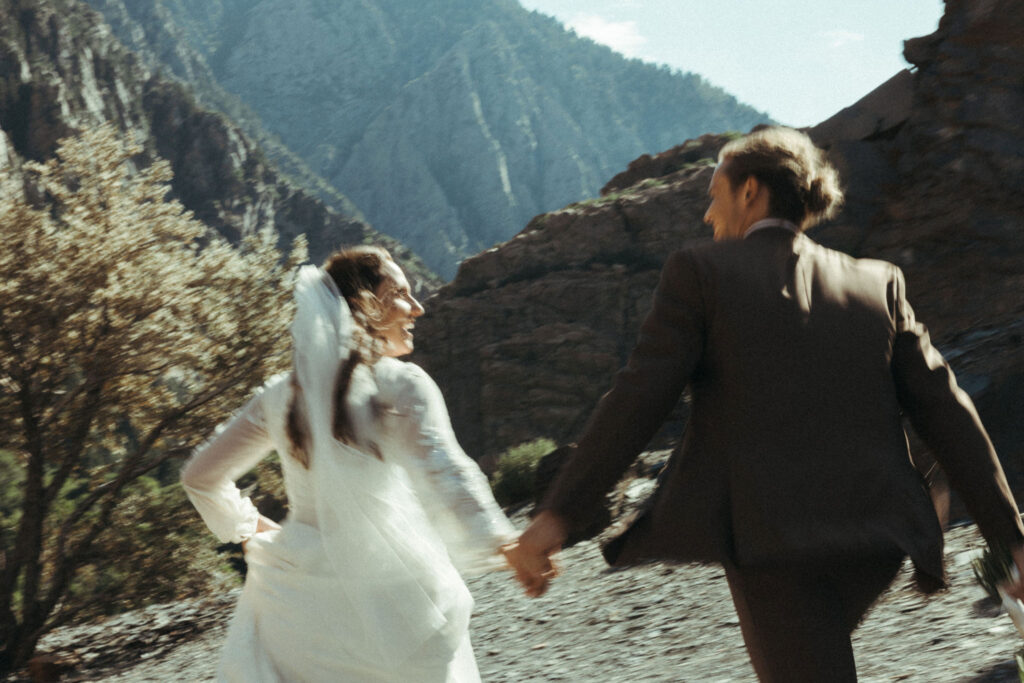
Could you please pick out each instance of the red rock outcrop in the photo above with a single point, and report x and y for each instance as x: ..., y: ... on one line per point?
x: 527, y: 337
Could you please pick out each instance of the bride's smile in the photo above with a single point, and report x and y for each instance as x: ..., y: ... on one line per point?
x: 403, y: 309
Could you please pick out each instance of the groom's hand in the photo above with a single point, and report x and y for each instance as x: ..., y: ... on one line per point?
x: 531, y: 555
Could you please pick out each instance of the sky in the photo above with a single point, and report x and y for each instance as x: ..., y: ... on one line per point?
x: 801, y: 61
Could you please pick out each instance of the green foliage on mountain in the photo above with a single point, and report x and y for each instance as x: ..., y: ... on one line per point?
x: 64, y: 71
x: 449, y: 123
x: 152, y: 34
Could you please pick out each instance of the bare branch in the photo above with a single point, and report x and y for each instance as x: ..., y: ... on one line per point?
x: 29, y: 541
x: 65, y: 615
x: 5, y: 334
x: 65, y: 400
x: 76, y: 440
x: 129, y: 464
x: 164, y: 457
x: 69, y: 562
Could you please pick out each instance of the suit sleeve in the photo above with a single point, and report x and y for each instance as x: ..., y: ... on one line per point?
x: 670, y: 344
x: 945, y: 418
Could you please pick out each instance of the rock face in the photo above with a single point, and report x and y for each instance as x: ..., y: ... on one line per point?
x: 61, y: 70
x: 529, y: 334
x: 950, y: 211
x: 151, y: 32
x: 526, y: 338
x: 449, y: 124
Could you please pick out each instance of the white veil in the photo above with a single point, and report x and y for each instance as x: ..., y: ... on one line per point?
x: 390, y: 565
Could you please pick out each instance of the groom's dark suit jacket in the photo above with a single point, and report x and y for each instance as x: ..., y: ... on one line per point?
x: 800, y: 362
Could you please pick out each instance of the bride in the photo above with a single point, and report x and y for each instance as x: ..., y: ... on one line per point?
x: 359, y: 583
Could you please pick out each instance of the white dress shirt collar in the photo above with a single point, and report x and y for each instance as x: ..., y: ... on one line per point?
x: 772, y: 223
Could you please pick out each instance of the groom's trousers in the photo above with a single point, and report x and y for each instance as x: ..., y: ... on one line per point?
x: 797, y: 620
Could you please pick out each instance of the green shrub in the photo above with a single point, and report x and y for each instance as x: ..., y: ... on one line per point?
x: 513, y: 478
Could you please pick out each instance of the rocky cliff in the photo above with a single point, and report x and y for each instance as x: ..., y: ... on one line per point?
x: 150, y: 31
x: 62, y: 70
x: 526, y: 338
x: 947, y: 181
x: 528, y: 335
x: 449, y: 124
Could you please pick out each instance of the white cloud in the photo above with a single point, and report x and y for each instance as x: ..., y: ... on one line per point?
x: 841, y: 38
x: 621, y: 36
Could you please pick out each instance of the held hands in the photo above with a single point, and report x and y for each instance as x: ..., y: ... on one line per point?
x: 530, y: 556
x: 534, y: 571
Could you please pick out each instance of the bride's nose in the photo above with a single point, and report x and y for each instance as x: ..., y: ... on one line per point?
x: 417, y: 308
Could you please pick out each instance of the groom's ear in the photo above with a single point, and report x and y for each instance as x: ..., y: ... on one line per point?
x: 750, y: 190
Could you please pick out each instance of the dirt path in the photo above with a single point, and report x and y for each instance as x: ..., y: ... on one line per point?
x: 664, y: 623
x: 656, y: 623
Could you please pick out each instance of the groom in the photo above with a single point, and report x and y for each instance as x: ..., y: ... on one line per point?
x: 793, y: 472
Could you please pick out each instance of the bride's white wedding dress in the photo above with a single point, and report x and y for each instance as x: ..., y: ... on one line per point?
x: 360, y: 582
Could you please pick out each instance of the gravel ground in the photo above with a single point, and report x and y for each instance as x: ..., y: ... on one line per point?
x: 653, y: 623
x: 676, y: 623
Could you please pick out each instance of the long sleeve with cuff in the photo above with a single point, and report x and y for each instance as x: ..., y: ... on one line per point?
x: 209, y: 475
x: 450, y: 486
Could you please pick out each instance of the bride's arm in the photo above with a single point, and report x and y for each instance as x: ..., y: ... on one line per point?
x: 453, y: 490
x: 209, y: 475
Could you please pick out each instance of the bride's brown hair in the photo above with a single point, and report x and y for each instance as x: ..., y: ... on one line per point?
x: 358, y: 273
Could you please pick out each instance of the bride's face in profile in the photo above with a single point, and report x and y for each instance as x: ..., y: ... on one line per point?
x: 403, y: 309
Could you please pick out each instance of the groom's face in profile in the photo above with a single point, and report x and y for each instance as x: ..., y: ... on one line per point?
x: 725, y: 212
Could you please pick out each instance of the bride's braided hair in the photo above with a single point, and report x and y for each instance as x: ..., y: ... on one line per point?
x: 358, y: 273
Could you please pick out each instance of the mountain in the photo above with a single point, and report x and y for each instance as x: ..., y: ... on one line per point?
x: 62, y: 70
x: 164, y: 50
x: 527, y: 337
x: 449, y: 123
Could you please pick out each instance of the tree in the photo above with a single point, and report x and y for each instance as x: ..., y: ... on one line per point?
x: 127, y: 331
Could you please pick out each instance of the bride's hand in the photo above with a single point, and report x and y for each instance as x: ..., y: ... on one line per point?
x: 266, y: 524
x: 263, y: 524
x: 531, y: 555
